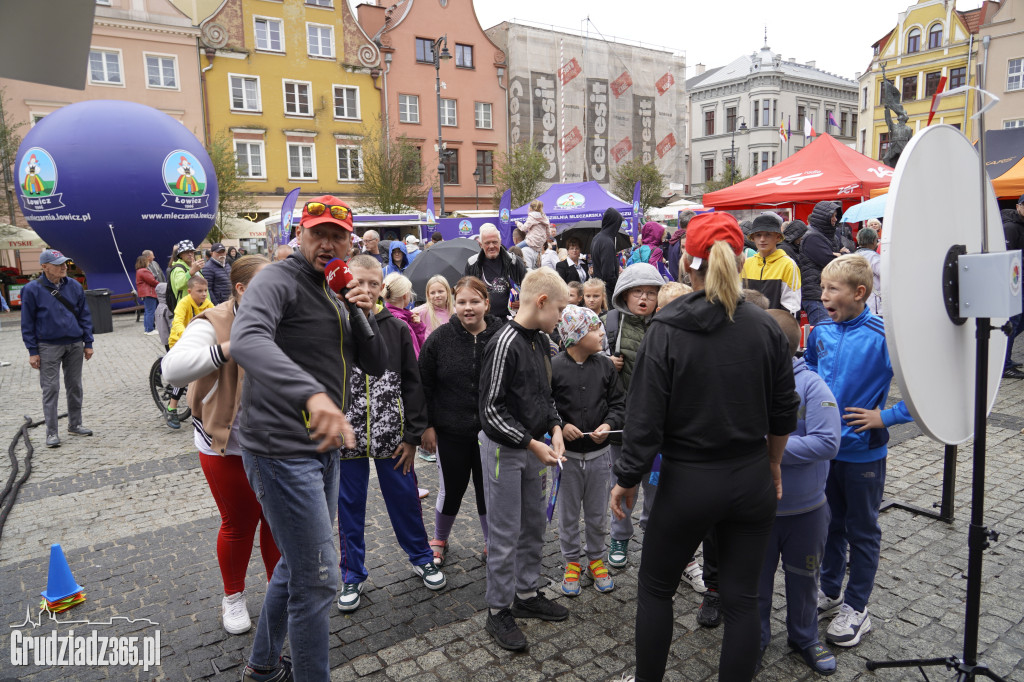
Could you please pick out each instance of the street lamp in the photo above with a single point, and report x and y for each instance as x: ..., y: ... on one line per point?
x: 476, y: 178
x: 732, y: 148
x: 439, y: 51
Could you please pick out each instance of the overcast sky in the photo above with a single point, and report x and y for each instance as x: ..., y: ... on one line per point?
x: 837, y: 35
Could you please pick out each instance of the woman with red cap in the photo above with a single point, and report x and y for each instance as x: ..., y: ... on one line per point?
x: 729, y: 372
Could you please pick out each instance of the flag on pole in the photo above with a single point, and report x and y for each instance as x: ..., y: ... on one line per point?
x: 832, y: 120
x: 789, y: 128
x: 935, y: 100
x: 782, y: 132
x: 808, y: 128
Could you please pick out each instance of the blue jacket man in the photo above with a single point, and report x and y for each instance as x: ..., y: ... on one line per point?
x: 57, y: 330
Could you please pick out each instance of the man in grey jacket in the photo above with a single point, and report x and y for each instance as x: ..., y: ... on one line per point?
x: 293, y: 338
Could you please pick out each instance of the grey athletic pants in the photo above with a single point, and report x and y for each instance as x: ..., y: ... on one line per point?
x: 515, y: 517
x: 584, y: 483
x: 52, y: 358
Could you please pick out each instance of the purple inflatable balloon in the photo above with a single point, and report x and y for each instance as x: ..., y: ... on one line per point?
x: 92, y: 165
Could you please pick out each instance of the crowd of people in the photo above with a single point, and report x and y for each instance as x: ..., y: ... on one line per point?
x: 525, y: 374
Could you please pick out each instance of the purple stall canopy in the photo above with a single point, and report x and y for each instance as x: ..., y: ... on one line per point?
x: 575, y: 201
x: 452, y: 228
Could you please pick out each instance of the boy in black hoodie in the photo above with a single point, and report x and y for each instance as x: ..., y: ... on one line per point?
x: 388, y: 414
x: 817, y: 251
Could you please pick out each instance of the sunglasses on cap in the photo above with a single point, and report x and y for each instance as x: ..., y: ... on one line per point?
x: 317, y: 208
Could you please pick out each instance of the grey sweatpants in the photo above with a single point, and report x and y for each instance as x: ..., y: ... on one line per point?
x: 584, y: 483
x: 515, y: 517
x: 52, y: 358
x: 622, y: 529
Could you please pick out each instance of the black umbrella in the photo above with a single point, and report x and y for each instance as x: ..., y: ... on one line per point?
x: 447, y: 258
x: 585, y: 230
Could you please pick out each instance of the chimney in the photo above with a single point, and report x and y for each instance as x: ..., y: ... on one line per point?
x: 701, y: 69
x: 812, y: 63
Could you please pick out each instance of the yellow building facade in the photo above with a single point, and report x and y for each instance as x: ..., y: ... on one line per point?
x: 294, y: 85
x: 931, y: 39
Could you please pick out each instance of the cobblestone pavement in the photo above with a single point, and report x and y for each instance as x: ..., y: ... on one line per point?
x: 132, y: 511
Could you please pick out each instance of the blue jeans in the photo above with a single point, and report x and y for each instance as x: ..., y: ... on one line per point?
x: 1017, y: 323
x: 815, y: 312
x: 404, y: 509
x: 149, y: 314
x: 299, y: 497
x: 854, y: 491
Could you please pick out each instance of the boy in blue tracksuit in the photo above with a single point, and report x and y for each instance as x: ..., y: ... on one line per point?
x: 801, y: 522
x: 850, y: 354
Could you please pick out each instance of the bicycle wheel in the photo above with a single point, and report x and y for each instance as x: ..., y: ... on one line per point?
x: 161, y: 395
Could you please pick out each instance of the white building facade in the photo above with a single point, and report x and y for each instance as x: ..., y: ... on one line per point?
x: 738, y: 113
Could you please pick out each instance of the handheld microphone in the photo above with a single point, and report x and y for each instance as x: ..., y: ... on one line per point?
x: 338, y: 276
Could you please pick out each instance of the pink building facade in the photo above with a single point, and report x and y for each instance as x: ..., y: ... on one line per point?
x: 473, y: 93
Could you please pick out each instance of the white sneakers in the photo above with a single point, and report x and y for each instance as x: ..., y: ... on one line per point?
x: 694, y: 577
x: 235, y: 614
x: 848, y: 627
x: 827, y: 605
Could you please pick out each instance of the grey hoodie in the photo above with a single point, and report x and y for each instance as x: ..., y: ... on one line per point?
x: 293, y: 339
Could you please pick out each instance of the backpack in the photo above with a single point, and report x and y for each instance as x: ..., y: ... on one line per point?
x: 641, y: 254
x: 169, y: 297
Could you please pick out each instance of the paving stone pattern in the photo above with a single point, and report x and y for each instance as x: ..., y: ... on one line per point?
x: 132, y: 510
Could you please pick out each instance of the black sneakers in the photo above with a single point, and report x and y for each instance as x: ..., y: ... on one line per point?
x: 709, y: 614
x: 502, y: 626
x: 282, y: 673
x: 539, y: 607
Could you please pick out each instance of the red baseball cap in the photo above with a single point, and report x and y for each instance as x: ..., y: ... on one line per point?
x: 322, y: 213
x: 707, y: 228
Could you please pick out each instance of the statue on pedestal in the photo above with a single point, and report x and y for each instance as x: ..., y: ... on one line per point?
x: 899, y: 132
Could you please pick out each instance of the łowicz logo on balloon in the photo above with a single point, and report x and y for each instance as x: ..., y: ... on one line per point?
x: 186, y: 181
x: 37, y: 177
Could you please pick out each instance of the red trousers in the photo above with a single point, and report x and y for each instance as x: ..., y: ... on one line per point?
x: 240, y: 511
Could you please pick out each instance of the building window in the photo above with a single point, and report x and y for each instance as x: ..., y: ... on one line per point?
x: 301, y: 164
x: 485, y: 164
x: 709, y: 170
x: 425, y: 50
x: 931, y: 83
x: 414, y: 169
x: 350, y: 164
x: 709, y: 122
x: 764, y: 161
x: 853, y: 124
x: 730, y: 119
x: 1013, y: 123
x: 957, y: 77
x: 754, y: 167
x: 843, y: 116
x: 269, y: 34
x: 296, y: 98
x: 245, y: 93
x: 801, y: 114
x: 883, y: 145
x: 865, y: 105
x: 320, y: 40
x: 935, y: 36
x: 161, y: 72
x: 408, y: 108
x: 756, y: 117
x: 909, y: 88
x: 448, y: 117
x: 863, y: 142
x: 451, y: 167
x: 482, y: 114
x: 914, y: 40
x: 955, y: 125
x: 766, y: 112
x: 319, y: 3
x: 105, y: 67
x: 249, y: 159
x: 1015, y: 74
x: 464, y: 56
x: 346, y: 102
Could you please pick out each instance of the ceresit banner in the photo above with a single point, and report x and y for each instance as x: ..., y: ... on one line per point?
x: 590, y: 105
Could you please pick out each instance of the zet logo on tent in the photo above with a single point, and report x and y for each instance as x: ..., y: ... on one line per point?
x: 465, y: 227
x: 185, y: 178
x: 37, y: 179
x: 570, y: 200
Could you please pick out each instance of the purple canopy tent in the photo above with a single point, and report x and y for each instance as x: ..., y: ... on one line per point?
x: 576, y: 201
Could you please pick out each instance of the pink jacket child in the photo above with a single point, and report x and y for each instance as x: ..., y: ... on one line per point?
x: 536, y: 227
x: 416, y: 325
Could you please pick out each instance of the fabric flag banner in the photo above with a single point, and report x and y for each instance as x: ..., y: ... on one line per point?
x: 832, y: 120
x: 782, y: 133
x: 505, y: 217
x: 935, y: 100
x: 808, y: 128
x: 431, y: 215
x: 789, y: 128
x: 287, y: 209
x: 635, y: 220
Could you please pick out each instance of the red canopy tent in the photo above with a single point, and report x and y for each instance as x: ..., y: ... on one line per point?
x: 824, y: 169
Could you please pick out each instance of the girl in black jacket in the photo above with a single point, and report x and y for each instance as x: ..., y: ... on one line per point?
x: 450, y: 372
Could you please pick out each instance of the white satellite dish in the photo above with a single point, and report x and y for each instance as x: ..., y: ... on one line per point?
x: 936, y: 197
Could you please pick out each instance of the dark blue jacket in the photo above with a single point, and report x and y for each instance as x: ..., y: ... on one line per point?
x: 853, y: 359
x: 808, y: 451
x: 218, y: 279
x: 44, y: 319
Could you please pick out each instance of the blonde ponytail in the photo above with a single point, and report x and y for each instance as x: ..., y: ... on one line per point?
x: 722, y: 282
